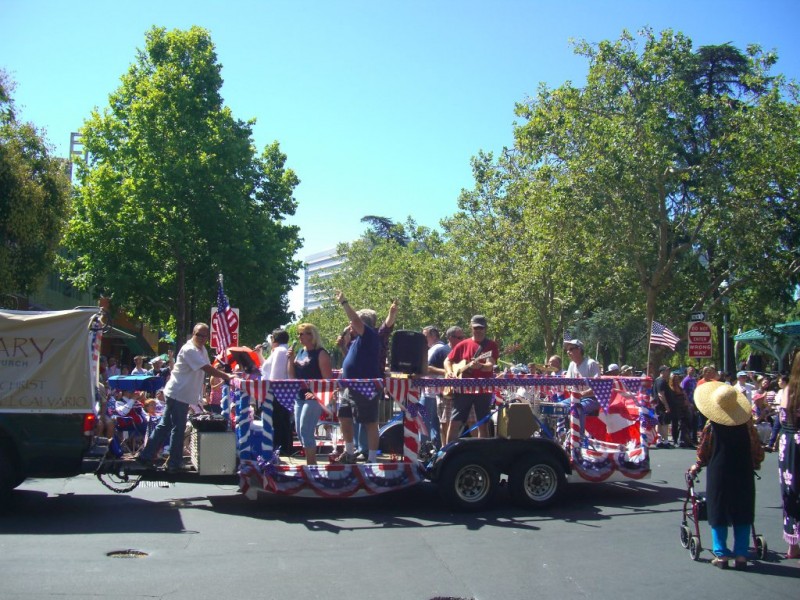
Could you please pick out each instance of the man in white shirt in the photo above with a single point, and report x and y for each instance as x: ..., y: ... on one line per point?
x: 185, y: 387
x: 581, y: 366
x: 742, y: 386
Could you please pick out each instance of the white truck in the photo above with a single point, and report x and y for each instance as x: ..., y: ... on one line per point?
x: 48, y: 380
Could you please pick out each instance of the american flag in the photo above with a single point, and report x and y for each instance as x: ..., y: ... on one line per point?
x: 662, y: 336
x: 567, y: 336
x: 224, y: 320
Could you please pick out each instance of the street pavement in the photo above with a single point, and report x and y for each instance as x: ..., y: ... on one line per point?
x: 201, y: 541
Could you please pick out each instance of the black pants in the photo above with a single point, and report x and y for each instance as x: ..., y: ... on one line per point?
x: 282, y: 426
x: 681, y: 429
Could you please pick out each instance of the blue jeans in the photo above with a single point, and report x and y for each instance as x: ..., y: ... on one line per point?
x: 172, y: 426
x: 431, y: 421
x: 360, y: 437
x: 306, y: 417
x: 741, y: 540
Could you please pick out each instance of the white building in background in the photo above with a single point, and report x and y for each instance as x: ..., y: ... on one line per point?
x: 323, y: 265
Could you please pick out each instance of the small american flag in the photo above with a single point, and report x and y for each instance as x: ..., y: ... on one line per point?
x: 567, y: 335
x: 662, y: 336
x: 224, y: 319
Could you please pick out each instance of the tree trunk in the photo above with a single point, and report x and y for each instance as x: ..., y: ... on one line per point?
x: 182, y: 325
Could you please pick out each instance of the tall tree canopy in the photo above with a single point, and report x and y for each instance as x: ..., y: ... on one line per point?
x: 34, y: 199
x: 668, y: 173
x: 633, y: 197
x: 173, y: 193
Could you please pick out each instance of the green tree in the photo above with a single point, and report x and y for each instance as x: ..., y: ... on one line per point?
x: 655, y: 155
x: 174, y: 193
x: 34, y: 199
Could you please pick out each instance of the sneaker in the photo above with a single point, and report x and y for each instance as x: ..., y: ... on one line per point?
x: 740, y: 564
x: 362, y: 457
x: 346, y: 459
x: 175, y: 470
x: 141, y: 460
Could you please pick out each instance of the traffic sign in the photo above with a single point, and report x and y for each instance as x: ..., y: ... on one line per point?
x: 700, y: 345
x: 698, y: 316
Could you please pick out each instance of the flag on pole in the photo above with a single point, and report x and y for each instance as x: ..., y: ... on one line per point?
x: 662, y: 336
x: 224, y: 318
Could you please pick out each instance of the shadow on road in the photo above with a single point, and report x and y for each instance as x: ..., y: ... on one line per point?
x: 34, y: 512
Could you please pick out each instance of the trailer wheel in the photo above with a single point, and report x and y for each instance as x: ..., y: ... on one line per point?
x: 536, y: 481
x: 468, y: 482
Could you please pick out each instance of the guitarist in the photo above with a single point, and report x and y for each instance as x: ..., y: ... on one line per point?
x: 467, y: 352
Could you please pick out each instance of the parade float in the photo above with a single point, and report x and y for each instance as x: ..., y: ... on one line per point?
x: 535, y: 459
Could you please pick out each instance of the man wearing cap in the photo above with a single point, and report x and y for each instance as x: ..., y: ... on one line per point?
x: 468, y: 351
x: 612, y: 370
x: 581, y: 366
x: 744, y: 387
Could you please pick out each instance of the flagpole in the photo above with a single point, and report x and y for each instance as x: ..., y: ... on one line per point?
x: 649, y: 347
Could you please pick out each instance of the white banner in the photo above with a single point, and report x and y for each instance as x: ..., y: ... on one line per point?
x: 45, y: 361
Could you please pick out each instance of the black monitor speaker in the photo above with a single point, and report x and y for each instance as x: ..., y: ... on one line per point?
x: 409, y: 352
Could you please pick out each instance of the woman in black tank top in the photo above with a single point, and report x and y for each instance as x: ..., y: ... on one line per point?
x: 312, y: 362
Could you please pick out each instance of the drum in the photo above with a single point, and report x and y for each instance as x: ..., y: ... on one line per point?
x: 390, y: 438
x: 553, y: 408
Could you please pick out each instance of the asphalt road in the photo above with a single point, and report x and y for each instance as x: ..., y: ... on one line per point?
x: 202, y: 541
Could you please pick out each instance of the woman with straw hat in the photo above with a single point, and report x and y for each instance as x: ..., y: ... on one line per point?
x: 731, y: 449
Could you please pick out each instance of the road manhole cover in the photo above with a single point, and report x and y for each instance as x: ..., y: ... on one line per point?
x: 127, y: 554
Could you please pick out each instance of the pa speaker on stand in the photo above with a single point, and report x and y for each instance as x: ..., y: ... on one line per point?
x: 409, y: 352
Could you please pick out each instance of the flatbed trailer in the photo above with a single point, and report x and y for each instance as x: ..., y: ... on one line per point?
x: 467, y: 471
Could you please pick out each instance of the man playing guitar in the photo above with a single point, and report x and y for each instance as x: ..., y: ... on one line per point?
x: 472, y: 357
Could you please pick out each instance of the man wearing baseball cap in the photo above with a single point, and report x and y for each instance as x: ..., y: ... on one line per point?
x: 468, y: 354
x: 584, y: 401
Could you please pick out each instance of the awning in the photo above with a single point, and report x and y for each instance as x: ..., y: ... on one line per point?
x: 774, y: 340
x: 115, y: 333
x: 133, y: 340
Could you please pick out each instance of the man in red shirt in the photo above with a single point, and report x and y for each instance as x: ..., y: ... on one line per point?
x: 469, y: 353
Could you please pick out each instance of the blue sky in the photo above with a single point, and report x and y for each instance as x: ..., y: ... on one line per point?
x: 379, y: 105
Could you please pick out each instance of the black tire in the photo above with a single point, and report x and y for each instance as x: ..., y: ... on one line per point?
x: 761, y: 547
x: 536, y: 481
x: 468, y: 482
x: 685, y: 535
x: 694, y: 547
x: 9, y: 478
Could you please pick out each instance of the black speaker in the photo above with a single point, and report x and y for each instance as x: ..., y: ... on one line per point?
x: 409, y: 352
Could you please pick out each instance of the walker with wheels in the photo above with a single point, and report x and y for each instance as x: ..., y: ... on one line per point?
x: 694, y: 511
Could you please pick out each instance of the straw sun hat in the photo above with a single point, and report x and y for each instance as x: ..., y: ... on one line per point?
x: 722, y: 404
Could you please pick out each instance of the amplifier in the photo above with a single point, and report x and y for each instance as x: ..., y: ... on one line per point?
x: 214, y: 453
x: 516, y: 422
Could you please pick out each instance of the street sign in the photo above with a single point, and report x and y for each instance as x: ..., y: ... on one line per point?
x: 698, y: 316
x: 700, y: 345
